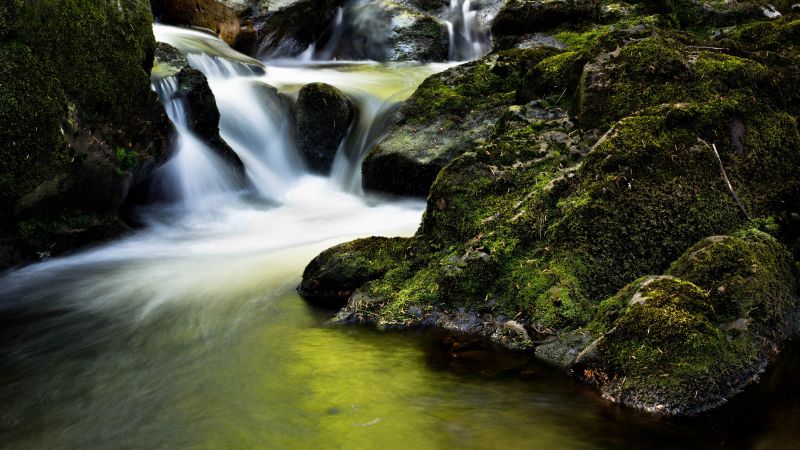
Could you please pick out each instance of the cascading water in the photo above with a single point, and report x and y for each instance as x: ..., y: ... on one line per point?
x: 195, y: 175
x: 469, y: 38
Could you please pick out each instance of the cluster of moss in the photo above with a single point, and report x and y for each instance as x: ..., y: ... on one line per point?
x: 684, y: 342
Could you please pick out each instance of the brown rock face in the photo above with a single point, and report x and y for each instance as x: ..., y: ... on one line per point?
x: 210, y: 14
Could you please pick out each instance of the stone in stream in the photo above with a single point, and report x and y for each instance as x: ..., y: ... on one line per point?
x: 323, y: 115
x: 203, y: 113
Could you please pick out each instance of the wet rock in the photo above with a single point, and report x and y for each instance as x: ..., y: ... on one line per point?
x: 323, y: 115
x: 290, y: 27
x: 448, y: 115
x: 563, y: 350
x: 201, y: 105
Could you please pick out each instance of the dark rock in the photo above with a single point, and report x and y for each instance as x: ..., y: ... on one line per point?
x: 523, y: 17
x: 323, y: 115
x: 203, y: 114
x: 448, y: 115
x: 289, y: 30
x: 328, y: 280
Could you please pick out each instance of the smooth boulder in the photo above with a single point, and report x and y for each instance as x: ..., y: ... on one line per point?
x: 323, y: 115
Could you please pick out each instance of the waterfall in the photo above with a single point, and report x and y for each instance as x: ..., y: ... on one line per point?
x: 469, y: 39
x: 195, y: 174
x: 255, y: 122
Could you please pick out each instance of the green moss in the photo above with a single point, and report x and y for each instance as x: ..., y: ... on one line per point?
x: 482, y: 84
x: 748, y: 275
x: 102, y: 53
x: 127, y: 159
x: 31, y: 109
x: 52, y: 234
x: 677, y: 346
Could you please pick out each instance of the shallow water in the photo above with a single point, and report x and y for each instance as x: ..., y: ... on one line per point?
x: 189, y: 334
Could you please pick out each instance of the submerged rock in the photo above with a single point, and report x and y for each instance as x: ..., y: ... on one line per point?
x: 323, y: 115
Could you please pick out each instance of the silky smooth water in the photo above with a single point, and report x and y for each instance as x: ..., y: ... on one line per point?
x: 189, y: 333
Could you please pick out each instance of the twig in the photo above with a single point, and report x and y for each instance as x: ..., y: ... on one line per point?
x: 713, y: 147
x: 706, y: 48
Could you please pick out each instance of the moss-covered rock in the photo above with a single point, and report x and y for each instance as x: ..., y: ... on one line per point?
x: 520, y: 17
x: 448, y: 115
x: 683, y: 343
x: 623, y: 150
x: 333, y: 275
x: 82, y: 126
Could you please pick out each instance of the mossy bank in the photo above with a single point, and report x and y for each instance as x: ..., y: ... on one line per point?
x: 562, y: 171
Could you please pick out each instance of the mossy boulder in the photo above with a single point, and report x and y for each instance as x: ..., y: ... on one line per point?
x: 331, y: 277
x: 82, y: 127
x: 323, y: 115
x: 685, y: 342
x: 448, y: 115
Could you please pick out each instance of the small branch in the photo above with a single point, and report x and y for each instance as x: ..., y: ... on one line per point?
x: 700, y: 47
x: 713, y: 148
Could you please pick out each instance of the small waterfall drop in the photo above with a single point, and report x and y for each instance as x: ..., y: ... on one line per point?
x: 255, y: 122
x: 469, y: 38
x: 256, y: 116
x: 195, y: 174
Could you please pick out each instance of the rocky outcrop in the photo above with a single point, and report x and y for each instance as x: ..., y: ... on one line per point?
x: 289, y: 29
x: 605, y: 162
x: 81, y: 128
x: 323, y: 115
x: 201, y: 105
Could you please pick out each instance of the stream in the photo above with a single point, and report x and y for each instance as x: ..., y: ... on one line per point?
x: 189, y: 333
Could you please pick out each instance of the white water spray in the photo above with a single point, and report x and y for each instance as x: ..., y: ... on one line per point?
x: 195, y: 175
x: 469, y: 38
